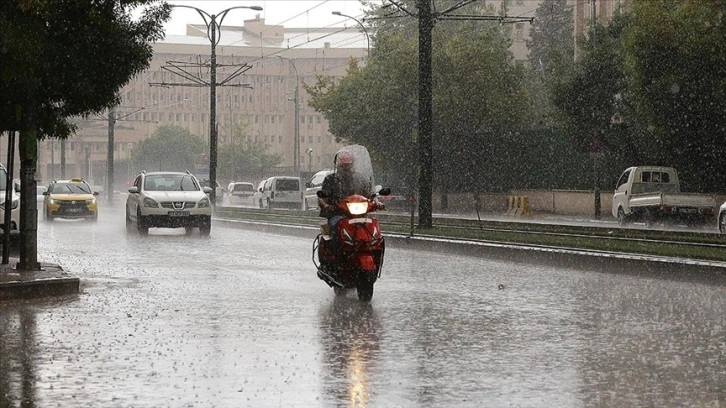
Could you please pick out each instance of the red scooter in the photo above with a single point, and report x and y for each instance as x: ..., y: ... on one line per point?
x: 358, y: 259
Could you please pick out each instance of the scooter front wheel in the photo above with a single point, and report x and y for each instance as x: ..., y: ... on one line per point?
x: 364, y: 286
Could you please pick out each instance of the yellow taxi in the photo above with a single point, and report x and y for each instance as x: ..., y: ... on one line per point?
x: 72, y: 198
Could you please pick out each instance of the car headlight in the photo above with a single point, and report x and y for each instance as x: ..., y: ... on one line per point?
x: 204, y: 203
x: 357, y: 208
x: 91, y: 201
x: 150, y: 202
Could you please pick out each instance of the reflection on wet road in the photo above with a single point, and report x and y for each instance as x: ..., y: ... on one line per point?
x: 239, y: 319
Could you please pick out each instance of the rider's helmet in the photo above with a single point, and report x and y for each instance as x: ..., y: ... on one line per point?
x: 343, y: 160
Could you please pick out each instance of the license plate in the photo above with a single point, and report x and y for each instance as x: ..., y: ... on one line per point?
x: 178, y: 213
x: 74, y: 210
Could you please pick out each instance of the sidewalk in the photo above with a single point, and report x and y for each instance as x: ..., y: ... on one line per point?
x: 49, y: 280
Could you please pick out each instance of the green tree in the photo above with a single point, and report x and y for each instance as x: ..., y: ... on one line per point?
x: 477, y: 99
x: 551, y: 43
x: 676, y: 61
x: 62, y: 58
x: 244, y: 157
x: 551, y: 56
x: 169, y: 148
x: 591, y: 100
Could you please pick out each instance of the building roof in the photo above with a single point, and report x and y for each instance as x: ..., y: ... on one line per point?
x: 255, y: 33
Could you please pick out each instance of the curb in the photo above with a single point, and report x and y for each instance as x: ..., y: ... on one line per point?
x: 600, y: 261
x: 49, y: 280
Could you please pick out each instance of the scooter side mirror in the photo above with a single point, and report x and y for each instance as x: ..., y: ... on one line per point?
x: 384, y: 191
x: 321, y: 194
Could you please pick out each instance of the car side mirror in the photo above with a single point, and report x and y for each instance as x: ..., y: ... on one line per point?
x: 95, y: 193
x: 132, y: 190
x: 308, y: 184
x: 46, y: 192
x: 207, y: 190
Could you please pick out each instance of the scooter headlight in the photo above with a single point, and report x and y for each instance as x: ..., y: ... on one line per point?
x: 358, y: 208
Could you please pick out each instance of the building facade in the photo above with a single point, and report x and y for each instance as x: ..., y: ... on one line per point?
x: 260, y: 74
x: 266, y: 97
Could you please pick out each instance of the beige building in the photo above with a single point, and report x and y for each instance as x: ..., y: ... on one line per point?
x: 276, y: 61
x: 271, y: 63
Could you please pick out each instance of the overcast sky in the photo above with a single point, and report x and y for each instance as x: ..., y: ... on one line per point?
x: 290, y: 13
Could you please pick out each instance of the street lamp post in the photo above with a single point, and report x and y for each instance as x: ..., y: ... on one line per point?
x: 296, y: 136
x: 309, y: 152
x: 210, y: 20
x: 365, y: 31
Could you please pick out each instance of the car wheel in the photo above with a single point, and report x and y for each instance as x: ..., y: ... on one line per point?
x: 129, y: 223
x: 188, y: 230
x: 47, y: 217
x: 269, y: 204
x: 722, y: 223
x: 261, y: 204
x: 205, y: 227
x: 141, y: 224
x: 621, y: 217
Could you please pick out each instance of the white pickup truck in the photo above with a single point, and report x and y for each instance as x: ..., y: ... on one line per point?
x: 652, y: 194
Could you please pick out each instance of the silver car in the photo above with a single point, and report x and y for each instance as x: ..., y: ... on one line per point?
x: 310, y: 199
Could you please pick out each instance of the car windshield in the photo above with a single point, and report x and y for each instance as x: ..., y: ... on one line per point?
x: 243, y: 187
x: 170, y: 182
x: 71, y: 188
x: 288, y: 185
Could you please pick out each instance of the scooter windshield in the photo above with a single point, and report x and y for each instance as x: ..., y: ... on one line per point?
x: 362, y: 166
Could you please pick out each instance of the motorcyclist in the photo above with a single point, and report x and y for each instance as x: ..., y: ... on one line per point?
x: 343, y: 182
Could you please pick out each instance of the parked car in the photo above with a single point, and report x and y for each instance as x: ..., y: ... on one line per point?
x: 281, y: 191
x: 257, y: 196
x: 310, y: 199
x: 73, y: 198
x: 218, y: 190
x: 14, y: 204
x: 722, y: 218
x: 168, y: 200
x: 39, y: 197
x: 240, y: 192
x: 653, y: 193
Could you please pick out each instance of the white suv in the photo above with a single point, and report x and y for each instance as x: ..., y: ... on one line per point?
x: 168, y: 200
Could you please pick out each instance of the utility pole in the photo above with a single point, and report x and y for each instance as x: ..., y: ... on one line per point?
x: 109, y: 155
x: 9, y: 187
x: 426, y: 19
x: 597, y: 144
x: 213, y: 23
x: 425, y: 113
x: 296, y: 117
x: 63, y: 158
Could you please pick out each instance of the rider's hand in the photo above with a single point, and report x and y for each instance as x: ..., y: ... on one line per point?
x: 380, y: 206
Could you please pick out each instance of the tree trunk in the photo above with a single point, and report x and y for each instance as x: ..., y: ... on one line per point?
x: 28, y: 152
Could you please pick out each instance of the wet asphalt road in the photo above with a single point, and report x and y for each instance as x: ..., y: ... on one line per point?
x: 239, y: 319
